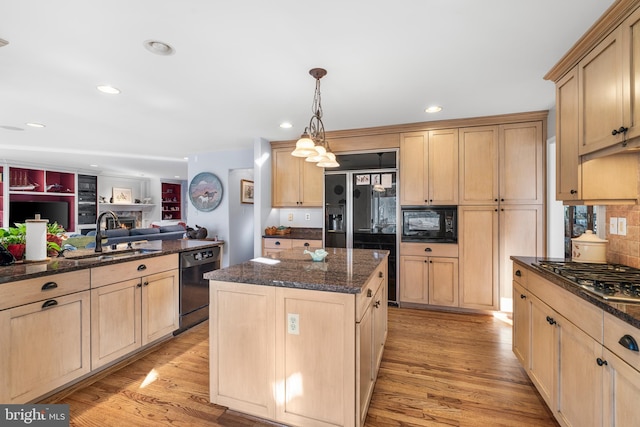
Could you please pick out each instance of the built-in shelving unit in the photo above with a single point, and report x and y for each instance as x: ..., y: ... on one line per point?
x: 87, y: 201
x: 125, y: 206
x: 1, y: 197
x: 171, y: 201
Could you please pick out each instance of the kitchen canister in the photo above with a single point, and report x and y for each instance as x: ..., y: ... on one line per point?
x: 589, y: 248
x: 36, y: 239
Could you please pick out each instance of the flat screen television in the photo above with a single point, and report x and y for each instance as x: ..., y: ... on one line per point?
x: 53, y: 211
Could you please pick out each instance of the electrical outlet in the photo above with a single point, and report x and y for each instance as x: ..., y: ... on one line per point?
x: 290, y: 217
x: 613, y: 225
x: 293, y: 323
x: 307, y: 217
x: 622, y: 226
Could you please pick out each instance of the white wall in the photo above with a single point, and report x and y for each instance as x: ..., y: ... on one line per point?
x: 241, y: 228
x: 298, y: 215
x: 555, y: 209
x: 217, y: 222
x: 264, y: 214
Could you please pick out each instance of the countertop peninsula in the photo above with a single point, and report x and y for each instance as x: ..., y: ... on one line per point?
x: 343, y: 270
x: 73, y: 261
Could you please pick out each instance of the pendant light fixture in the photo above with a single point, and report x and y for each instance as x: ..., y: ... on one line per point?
x: 312, y: 143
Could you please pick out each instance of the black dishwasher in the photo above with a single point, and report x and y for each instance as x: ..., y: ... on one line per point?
x: 194, y: 289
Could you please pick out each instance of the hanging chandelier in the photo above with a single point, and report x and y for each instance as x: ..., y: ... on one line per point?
x: 312, y: 143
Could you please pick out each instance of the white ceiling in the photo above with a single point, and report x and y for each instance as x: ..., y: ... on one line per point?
x: 241, y: 68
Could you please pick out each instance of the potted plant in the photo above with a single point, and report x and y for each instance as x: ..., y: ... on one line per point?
x: 55, y: 235
x: 14, y: 239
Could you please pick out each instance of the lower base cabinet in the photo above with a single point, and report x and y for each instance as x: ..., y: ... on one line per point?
x: 295, y: 356
x: 33, y: 363
x: 574, y: 356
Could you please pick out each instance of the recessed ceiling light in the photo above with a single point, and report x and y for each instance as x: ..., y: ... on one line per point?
x: 35, y: 125
x: 286, y: 125
x: 158, y: 47
x: 185, y: 158
x: 94, y: 166
x: 108, y: 89
x: 433, y: 109
x: 176, y: 176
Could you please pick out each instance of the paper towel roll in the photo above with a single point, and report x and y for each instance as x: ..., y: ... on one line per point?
x: 36, y: 239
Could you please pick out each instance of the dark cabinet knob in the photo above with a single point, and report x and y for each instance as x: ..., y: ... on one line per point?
x: 306, y: 244
x: 427, y: 249
x: 50, y: 303
x: 142, y: 267
x: 49, y: 285
x: 523, y: 296
x: 518, y: 273
x: 380, y: 274
x: 621, y: 129
x: 601, y: 362
x: 277, y: 243
x: 146, y: 283
x: 573, y: 191
x: 628, y: 342
x: 502, y: 200
x: 551, y: 320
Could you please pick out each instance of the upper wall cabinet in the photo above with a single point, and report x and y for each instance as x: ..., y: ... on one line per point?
x: 295, y: 182
x: 429, y: 168
x: 605, y: 64
x: 502, y: 164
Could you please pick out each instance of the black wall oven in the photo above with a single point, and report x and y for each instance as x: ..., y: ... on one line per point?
x: 430, y: 224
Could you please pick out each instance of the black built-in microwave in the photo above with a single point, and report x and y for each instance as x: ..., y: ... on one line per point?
x: 430, y: 224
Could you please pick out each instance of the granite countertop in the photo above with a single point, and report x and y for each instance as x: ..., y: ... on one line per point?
x: 343, y: 270
x: 629, y: 313
x: 28, y: 270
x: 299, y: 233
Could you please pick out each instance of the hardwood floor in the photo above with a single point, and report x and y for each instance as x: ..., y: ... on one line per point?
x: 438, y: 369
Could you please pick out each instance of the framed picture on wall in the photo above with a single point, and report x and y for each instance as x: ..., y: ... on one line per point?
x: 122, y: 195
x: 246, y: 191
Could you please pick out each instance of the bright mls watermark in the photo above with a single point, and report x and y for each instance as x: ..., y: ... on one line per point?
x: 34, y: 415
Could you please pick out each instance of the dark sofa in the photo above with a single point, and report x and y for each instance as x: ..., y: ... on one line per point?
x: 122, y: 235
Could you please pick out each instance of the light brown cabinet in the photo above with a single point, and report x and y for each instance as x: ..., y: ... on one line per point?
x: 295, y: 182
x: 580, y: 180
x: 429, y: 168
x: 272, y: 245
x: 129, y: 314
x: 522, y: 315
x: 502, y: 164
x: 44, y: 335
x: 429, y: 274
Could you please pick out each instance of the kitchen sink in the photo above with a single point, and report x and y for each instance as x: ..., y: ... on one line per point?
x: 110, y: 256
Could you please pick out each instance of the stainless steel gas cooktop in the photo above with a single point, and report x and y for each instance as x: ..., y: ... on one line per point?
x: 612, y: 282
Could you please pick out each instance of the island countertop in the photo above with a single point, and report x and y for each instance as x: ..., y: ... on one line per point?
x: 343, y: 270
x: 74, y: 260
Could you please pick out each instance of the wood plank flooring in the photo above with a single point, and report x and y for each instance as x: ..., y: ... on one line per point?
x: 438, y: 369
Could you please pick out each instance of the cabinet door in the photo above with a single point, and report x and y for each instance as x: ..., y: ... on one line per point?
x: 631, y: 66
x: 521, y: 166
x: 544, y: 351
x: 115, y: 321
x: 443, y: 281
x: 285, y: 178
x: 478, y: 257
x: 621, y: 391
x: 311, y: 185
x: 567, y: 158
x: 601, y: 95
x: 478, y: 165
x: 522, y: 234
x: 366, y: 357
x: 413, y: 164
x: 414, y: 279
x: 579, y: 392
x: 44, y: 346
x: 443, y: 167
x: 160, y: 305
x: 521, y: 324
x: 379, y: 324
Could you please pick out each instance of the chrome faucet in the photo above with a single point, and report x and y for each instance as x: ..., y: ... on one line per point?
x: 99, y: 232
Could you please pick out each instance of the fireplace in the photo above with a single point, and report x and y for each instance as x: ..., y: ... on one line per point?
x: 127, y: 222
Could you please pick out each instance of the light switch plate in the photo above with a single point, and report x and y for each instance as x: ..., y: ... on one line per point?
x: 613, y: 225
x: 307, y: 217
x: 290, y: 217
x: 622, y: 226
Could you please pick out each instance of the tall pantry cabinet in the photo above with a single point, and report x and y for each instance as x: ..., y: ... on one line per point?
x: 501, y: 210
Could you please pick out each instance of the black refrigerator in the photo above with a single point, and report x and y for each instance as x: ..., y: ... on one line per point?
x: 361, y: 207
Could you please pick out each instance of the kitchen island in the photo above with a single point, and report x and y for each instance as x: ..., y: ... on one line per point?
x: 296, y: 341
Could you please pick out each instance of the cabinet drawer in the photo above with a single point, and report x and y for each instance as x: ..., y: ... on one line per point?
x: 364, y: 298
x: 277, y: 243
x: 520, y: 275
x: 31, y: 290
x: 114, y: 273
x: 614, y: 330
x: 299, y: 243
x: 429, y: 249
x: 584, y: 315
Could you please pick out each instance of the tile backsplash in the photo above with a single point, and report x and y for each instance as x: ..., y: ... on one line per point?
x: 624, y: 249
